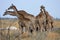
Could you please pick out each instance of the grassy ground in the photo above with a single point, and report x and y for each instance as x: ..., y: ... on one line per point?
x: 8, y: 22
x: 33, y: 36
x: 14, y: 22
x: 14, y: 35
x: 56, y: 23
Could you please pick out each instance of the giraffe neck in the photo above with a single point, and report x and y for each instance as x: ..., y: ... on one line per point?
x: 44, y: 12
x: 16, y: 12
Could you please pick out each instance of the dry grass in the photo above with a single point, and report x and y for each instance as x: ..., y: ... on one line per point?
x: 56, y: 23
x: 53, y: 36
x: 27, y: 36
x: 6, y: 23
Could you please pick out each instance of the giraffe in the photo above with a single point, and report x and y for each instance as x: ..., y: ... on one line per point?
x: 22, y: 20
x: 45, y: 20
x: 26, y: 15
x: 49, y: 20
x: 41, y: 20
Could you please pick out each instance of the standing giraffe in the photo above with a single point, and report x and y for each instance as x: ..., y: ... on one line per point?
x: 26, y: 15
x: 41, y: 17
x: 49, y: 20
x: 45, y: 20
x: 22, y: 19
x: 23, y: 22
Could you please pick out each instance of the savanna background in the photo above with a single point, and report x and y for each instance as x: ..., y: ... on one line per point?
x: 14, y: 35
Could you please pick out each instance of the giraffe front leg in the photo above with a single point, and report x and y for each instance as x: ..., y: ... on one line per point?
x: 52, y: 25
x: 49, y: 26
x: 42, y: 28
x: 23, y: 30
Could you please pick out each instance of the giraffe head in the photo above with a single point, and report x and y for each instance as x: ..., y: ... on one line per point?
x: 12, y: 7
x: 9, y: 13
x: 42, y: 8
